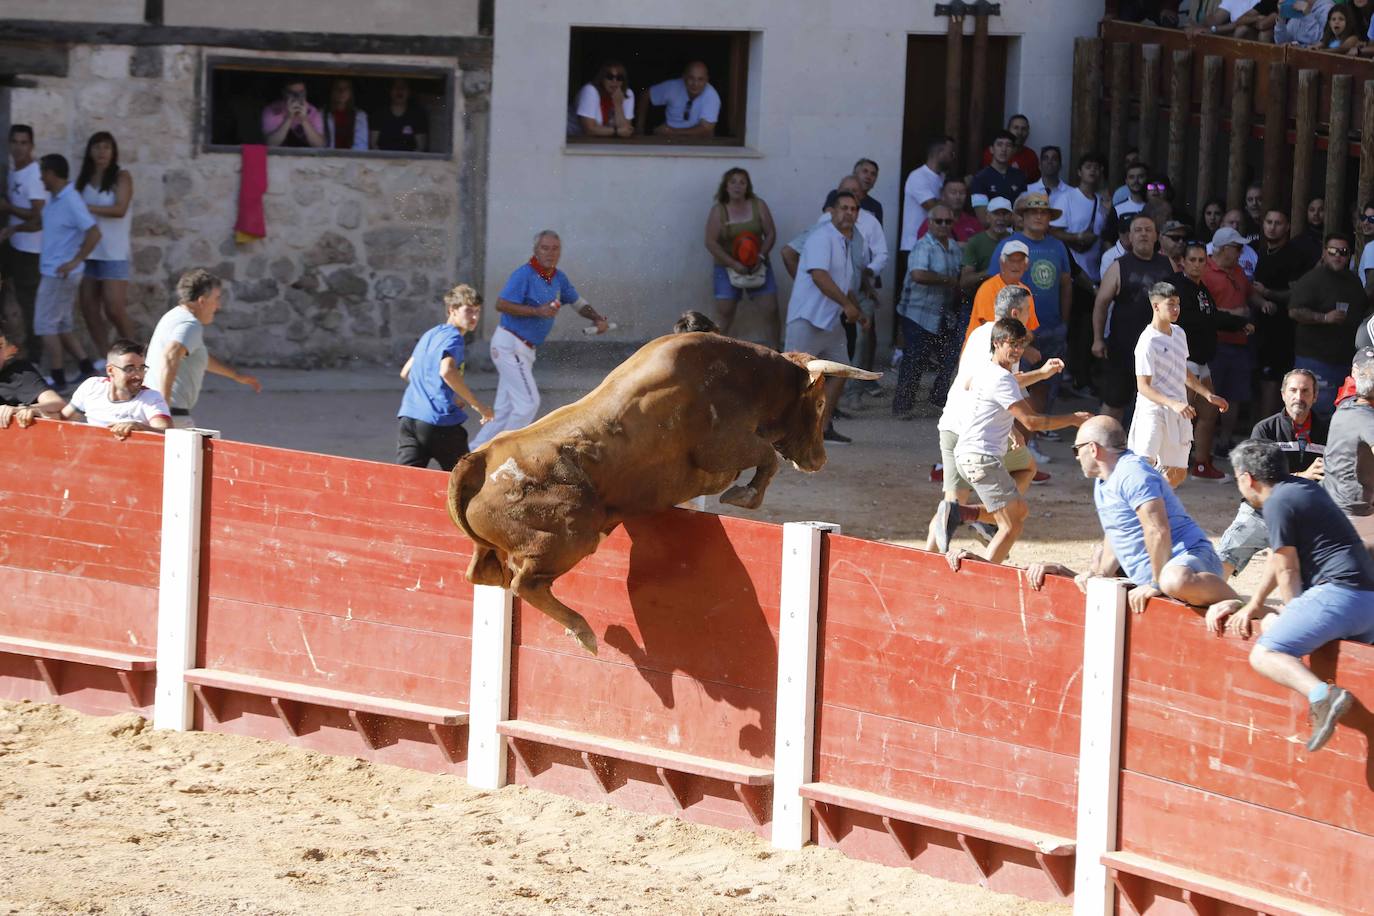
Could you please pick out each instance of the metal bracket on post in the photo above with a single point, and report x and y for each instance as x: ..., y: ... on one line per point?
x: 1099, y: 743
x: 795, y: 710
x: 178, y: 600
x: 962, y: 8
x: 489, y: 694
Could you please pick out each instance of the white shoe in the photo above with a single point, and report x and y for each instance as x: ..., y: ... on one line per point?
x: 1039, y: 456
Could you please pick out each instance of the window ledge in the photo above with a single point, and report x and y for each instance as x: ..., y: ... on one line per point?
x: 661, y: 150
x: 328, y: 153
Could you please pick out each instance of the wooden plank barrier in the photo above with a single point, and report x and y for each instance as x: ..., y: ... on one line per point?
x: 79, y: 549
x: 948, y: 717
x: 334, y: 613
x: 676, y: 712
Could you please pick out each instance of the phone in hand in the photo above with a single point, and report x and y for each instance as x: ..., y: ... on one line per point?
x: 1343, y: 307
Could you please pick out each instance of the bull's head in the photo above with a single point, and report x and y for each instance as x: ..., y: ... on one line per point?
x: 803, y: 443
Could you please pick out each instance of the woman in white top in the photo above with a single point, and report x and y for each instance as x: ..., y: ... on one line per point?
x: 605, y: 107
x: 345, y: 124
x: 108, y: 192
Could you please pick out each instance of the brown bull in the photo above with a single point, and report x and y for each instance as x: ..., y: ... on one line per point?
x: 680, y: 418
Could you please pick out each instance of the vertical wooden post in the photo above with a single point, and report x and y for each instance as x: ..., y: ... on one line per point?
x: 1242, y: 108
x: 954, y: 72
x: 1149, y: 102
x: 1338, y: 152
x: 489, y: 693
x: 1121, y: 103
x: 977, y: 98
x: 1180, y: 105
x: 1275, y: 131
x: 178, y: 591
x: 795, y: 711
x: 1366, y: 186
x: 1304, y: 139
x: 1087, y: 98
x: 1210, y: 125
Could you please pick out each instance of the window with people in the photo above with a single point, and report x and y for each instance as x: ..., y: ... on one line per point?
x: 1337, y: 26
x: 351, y: 110
x: 657, y: 86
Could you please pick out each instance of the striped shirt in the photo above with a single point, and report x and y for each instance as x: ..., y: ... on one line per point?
x: 1163, y: 357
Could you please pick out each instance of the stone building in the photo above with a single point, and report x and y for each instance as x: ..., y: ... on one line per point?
x: 360, y: 244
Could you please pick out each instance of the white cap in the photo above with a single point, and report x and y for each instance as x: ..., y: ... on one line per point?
x: 999, y: 203
x: 1015, y: 246
x: 1227, y: 236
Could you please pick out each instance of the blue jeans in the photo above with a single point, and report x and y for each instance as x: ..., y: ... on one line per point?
x: 918, y: 345
x: 1330, y: 377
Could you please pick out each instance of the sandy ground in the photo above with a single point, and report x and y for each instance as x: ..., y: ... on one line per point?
x: 105, y: 815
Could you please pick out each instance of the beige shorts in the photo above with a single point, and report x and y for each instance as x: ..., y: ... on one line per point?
x: 990, y: 479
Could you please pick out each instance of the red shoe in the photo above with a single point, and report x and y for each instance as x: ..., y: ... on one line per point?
x: 1040, y: 477
x: 937, y: 473
x: 1205, y: 470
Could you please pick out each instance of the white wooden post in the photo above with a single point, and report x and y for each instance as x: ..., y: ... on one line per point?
x: 489, y: 695
x: 794, y: 725
x: 1099, y: 743
x: 178, y: 597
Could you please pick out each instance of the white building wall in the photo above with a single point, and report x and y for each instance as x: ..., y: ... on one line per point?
x: 827, y: 86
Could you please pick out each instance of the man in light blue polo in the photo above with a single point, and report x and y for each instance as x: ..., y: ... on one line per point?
x: 691, y: 102
x: 70, y: 234
x: 528, y: 304
x: 824, y: 291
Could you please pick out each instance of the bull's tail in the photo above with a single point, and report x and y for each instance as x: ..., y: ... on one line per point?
x: 464, y: 483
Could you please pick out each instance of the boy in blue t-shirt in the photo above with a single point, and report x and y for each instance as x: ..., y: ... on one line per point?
x: 431, y: 420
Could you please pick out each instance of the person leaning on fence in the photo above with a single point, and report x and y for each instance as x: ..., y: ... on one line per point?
x: 24, y: 394
x: 1322, y: 571
x: 119, y: 401
x: 430, y: 421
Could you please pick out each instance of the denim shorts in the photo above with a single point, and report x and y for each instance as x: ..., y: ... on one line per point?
x: 107, y: 270
x: 725, y: 290
x: 1232, y: 368
x: 1246, y: 536
x: 1200, y: 559
x: 1322, y: 614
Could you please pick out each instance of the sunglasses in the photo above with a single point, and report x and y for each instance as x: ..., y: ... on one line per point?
x: 615, y: 77
x: 1367, y: 218
x: 1339, y: 252
x: 943, y: 222
x: 1079, y: 445
x: 1156, y: 187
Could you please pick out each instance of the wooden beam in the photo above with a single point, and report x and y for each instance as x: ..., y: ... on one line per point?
x: 1337, y: 140
x: 1149, y: 103
x: 1275, y: 131
x: 473, y: 52
x: 954, y: 72
x: 1366, y: 185
x: 1180, y: 103
x: 1242, y: 108
x: 1087, y: 97
x: 977, y: 100
x: 1304, y: 138
x: 1120, y: 105
x: 1209, y: 127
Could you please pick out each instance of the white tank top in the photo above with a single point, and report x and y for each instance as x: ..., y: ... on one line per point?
x: 114, y: 230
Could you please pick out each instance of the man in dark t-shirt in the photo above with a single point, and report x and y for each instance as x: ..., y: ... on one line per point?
x: 402, y: 125
x: 1122, y: 311
x: 1280, y: 265
x: 24, y: 395
x: 1000, y: 179
x: 1324, y: 574
x: 1328, y: 305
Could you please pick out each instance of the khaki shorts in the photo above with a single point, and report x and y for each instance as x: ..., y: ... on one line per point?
x: 990, y: 480
x: 805, y: 337
x: 1017, y: 459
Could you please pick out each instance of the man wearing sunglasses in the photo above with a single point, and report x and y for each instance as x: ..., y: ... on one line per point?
x: 119, y: 401
x: 1328, y: 305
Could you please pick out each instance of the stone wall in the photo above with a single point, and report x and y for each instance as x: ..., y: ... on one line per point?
x: 359, y: 250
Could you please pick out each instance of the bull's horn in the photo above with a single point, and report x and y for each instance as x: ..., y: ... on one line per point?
x: 819, y: 367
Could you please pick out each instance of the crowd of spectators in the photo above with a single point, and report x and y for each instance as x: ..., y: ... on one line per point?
x: 292, y: 121
x: 1337, y: 26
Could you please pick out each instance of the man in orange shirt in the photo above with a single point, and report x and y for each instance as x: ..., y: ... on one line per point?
x: 1015, y: 259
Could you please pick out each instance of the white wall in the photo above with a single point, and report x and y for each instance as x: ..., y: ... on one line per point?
x: 73, y: 10
x: 388, y: 17
x: 828, y: 87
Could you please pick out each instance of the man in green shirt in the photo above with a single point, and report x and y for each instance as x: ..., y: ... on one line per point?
x: 978, y: 249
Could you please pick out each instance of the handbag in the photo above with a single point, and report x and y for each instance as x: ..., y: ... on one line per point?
x: 752, y: 279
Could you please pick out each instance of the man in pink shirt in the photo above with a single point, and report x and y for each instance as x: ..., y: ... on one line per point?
x: 291, y: 120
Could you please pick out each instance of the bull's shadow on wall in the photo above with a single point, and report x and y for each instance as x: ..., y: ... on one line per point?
x: 698, y: 612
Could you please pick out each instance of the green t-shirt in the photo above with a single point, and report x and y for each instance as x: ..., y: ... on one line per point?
x: 978, y: 251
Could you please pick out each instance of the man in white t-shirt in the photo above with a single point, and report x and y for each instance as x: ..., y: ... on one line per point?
x: 119, y: 401
x: 23, y: 202
x: 1238, y: 19
x: 1049, y: 183
x: 691, y: 104
x: 921, y: 192
x: 998, y: 403
x: 1162, y: 428
x: 1085, y: 216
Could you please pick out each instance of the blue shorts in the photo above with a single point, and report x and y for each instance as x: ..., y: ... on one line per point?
x: 1200, y: 559
x: 724, y: 290
x: 1322, y: 614
x: 107, y: 270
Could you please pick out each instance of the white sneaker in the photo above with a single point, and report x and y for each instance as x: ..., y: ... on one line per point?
x: 1039, y: 456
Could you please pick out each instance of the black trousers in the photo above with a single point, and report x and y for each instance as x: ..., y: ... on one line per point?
x: 418, y: 442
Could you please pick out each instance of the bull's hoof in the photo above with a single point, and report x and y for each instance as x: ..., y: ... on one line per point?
x: 585, y: 638
x: 744, y: 497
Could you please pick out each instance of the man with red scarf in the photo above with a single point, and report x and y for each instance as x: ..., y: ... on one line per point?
x: 528, y: 304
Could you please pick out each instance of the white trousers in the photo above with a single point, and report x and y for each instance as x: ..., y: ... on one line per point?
x: 517, y: 396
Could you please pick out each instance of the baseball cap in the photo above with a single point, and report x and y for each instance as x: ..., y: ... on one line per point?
x: 999, y: 203
x: 1174, y: 225
x: 1015, y: 247
x: 1035, y: 200
x: 1227, y: 236
x: 1364, y: 358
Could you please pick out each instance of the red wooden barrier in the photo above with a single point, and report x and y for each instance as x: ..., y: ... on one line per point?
x: 1216, y: 779
x: 331, y: 574
x: 80, y: 534
x: 685, y: 606
x: 955, y: 691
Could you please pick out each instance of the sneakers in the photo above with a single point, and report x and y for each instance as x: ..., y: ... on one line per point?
x: 1205, y: 470
x: 946, y: 523
x: 1052, y: 435
x: 1039, y: 456
x: 1040, y: 477
x: 1325, y: 714
x: 984, y: 532
x: 833, y: 435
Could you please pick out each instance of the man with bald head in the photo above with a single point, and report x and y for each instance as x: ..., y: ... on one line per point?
x: 691, y: 104
x: 1146, y: 529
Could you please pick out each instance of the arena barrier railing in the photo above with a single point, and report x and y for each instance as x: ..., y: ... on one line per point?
x: 781, y: 679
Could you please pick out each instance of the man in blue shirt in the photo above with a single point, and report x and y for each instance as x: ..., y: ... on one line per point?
x: 1147, y: 530
x: 431, y: 420
x: 528, y: 304
x: 1323, y: 573
x: 692, y: 105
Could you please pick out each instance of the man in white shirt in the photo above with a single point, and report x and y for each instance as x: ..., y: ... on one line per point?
x: 23, y: 201
x: 824, y: 292
x: 691, y: 103
x: 1249, y: 259
x: 921, y: 192
x: 1238, y: 19
x: 119, y: 401
x: 1049, y: 184
x: 1085, y: 215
